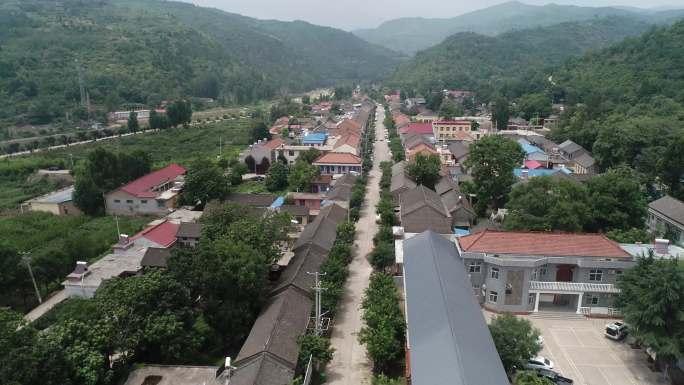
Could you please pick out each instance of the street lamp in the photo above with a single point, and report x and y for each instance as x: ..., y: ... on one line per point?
x: 27, y: 260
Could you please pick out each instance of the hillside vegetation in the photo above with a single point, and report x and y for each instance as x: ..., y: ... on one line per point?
x: 489, y: 65
x: 410, y: 35
x: 146, y: 51
x: 627, y: 104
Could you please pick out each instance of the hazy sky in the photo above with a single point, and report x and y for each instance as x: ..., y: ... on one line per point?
x: 352, y: 14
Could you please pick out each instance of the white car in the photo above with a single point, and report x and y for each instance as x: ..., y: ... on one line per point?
x: 616, y: 331
x: 539, y: 363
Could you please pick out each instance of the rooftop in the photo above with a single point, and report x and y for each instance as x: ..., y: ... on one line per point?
x: 318, y: 137
x: 254, y: 200
x: 448, y: 339
x: 143, y: 187
x: 419, y: 128
x: 163, y: 234
x: 189, y: 230
x: 451, y: 122
x: 59, y: 196
x: 542, y: 244
x: 338, y: 158
x: 669, y: 207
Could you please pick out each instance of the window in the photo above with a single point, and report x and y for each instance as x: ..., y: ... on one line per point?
x: 117, y: 200
x: 291, y: 153
x: 129, y: 201
x: 542, y: 271
x: 618, y: 272
x: 160, y: 204
x: 475, y: 267
x: 596, y: 275
x: 592, y: 299
x: 531, y: 298
x: 144, y: 201
x: 534, y: 275
x: 493, y: 296
x: 495, y: 273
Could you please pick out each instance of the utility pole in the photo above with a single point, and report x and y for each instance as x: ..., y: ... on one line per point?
x: 27, y: 260
x: 318, y: 289
x: 118, y: 231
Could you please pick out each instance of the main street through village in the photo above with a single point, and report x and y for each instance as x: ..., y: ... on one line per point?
x: 350, y: 364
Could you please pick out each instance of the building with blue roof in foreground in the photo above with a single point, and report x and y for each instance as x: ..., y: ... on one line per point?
x: 315, y: 140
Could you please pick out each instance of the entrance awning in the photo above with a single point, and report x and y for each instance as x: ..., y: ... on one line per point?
x: 571, y: 287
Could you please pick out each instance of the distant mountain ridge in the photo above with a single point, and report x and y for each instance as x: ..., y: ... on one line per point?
x: 409, y: 35
x: 144, y: 51
x: 487, y: 64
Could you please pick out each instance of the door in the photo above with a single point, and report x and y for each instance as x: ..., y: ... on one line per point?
x: 563, y: 274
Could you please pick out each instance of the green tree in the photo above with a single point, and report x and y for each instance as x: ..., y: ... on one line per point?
x: 617, y: 201
x: 236, y: 173
x: 546, y: 204
x: 491, y: 163
x: 425, y: 170
x: 534, y: 105
x: 515, y: 340
x: 530, y: 377
x: 450, y: 109
x: 204, y: 182
x: 651, y: 299
x: 500, y: 113
x: 133, y: 125
x: 302, y: 174
x: 310, y: 155
x: 276, y: 177
x: 671, y: 167
x: 179, y: 112
x: 258, y: 131
x: 158, y: 121
x: 316, y: 346
x: 382, y: 256
x: 383, y: 332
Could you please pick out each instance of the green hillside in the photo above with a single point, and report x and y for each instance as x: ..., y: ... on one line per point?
x: 410, y: 35
x: 627, y: 104
x: 489, y: 65
x: 145, y: 51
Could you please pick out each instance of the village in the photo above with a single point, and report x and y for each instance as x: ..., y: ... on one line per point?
x: 400, y: 172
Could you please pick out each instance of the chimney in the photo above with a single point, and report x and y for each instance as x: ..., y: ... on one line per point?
x: 123, y: 239
x: 662, y: 246
x: 525, y: 174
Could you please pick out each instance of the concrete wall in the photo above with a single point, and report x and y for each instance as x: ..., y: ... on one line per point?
x: 121, y: 203
x: 66, y: 208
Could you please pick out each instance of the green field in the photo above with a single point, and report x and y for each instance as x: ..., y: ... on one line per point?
x: 54, y: 244
x: 178, y: 145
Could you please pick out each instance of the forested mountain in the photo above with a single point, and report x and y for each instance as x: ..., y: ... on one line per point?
x: 410, y: 35
x: 144, y: 51
x: 489, y: 65
x: 627, y: 104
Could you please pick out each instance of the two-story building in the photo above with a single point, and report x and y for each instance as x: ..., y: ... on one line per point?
x: 338, y: 163
x: 153, y: 194
x: 445, y: 130
x: 525, y: 272
x: 666, y: 218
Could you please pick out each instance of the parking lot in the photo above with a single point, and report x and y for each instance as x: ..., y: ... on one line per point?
x: 581, y: 352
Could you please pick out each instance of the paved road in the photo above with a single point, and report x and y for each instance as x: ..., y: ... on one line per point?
x: 350, y: 364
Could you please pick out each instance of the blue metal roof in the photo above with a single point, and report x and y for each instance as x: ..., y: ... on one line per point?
x: 278, y: 202
x: 315, y: 138
x: 538, y: 172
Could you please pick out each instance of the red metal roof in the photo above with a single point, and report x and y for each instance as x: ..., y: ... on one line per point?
x: 418, y: 128
x: 142, y: 187
x: 542, y: 243
x: 338, y: 158
x: 163, y: 234
x: 532, y: 164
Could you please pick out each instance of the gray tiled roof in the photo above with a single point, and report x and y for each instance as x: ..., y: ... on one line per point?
x: 254, y: 200
x: 444, y: 185
x: 669, y: 207
x: 462, y: 214
x: 189, y: 230
x: 323, y: 230
x: 448, y: 337
x: 585, y: 160
x: 155, y: 257
x: 341, y: 188
x: 275, y: 331
x: 570, y: 147
x: 262, y: 369
x: 421, y: 196
x: 305, y: 260
x: 459, y: 149
x: 423, y: 209
x: 295, y: 209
